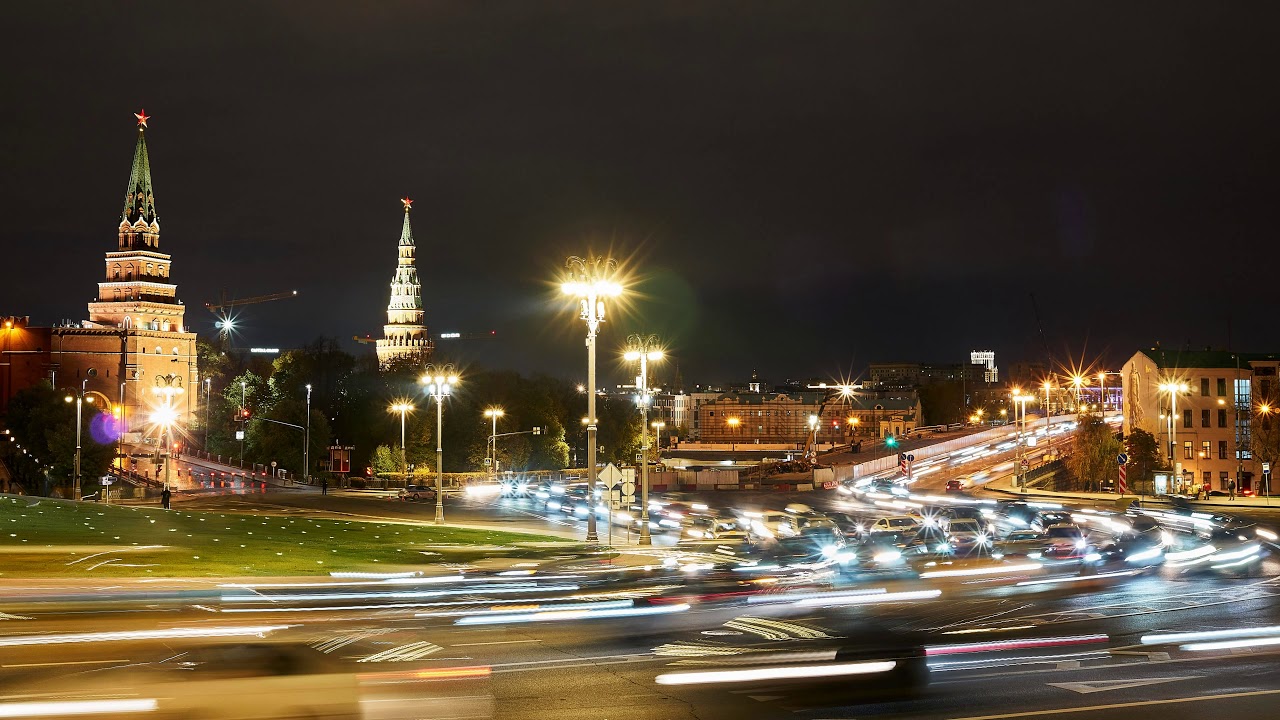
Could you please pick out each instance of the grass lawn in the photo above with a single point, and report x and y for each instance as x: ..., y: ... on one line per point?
x: 40, y: 537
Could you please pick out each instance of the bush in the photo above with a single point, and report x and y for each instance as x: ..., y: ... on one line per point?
x: 357, y: 483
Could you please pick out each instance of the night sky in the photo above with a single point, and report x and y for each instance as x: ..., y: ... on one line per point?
x: 799, y: 188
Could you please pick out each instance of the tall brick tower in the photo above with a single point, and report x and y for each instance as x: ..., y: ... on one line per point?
x: 404, y: 336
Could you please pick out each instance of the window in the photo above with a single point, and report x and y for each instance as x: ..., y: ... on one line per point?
x: 1186, y: 419
x: 1222, y: 449
x: 1204, y: 387
x: 1186, y: 450
x: 1204, y: 419
x: 1222, y: 478
x: 1208, y: 477
x: 1206, y: 450
x: 1222, y: 418
x: 1222, y: 387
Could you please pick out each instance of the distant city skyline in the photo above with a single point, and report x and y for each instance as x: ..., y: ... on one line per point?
x: 788, y: 203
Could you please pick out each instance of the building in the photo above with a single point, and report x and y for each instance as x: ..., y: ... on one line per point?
x: 914, y: 375
x: 780, y: 418
x: 404, y: 337
x: 134, y: 353
x: 987, y: 359
x: 1201, y: 406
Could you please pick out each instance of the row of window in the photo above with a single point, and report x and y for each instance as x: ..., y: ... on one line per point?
x: 125, y: 272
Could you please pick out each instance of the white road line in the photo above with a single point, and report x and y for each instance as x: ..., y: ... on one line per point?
x: 69, y: 662
x: 1115, y: 706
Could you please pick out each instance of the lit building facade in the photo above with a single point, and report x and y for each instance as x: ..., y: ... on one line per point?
x: 781, y: 418
x: 1208, y: 427
x: 404, y: 337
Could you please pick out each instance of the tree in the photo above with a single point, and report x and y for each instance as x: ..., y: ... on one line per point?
x: 1144, y: 459
x: 384, y: 460
x: 44, y: 423
x: 1094, y: 454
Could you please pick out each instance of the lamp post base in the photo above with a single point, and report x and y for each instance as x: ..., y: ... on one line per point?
x: 645, y: 538
x: 439, y: 512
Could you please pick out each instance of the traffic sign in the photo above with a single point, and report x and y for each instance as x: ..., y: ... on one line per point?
x: 1266, y: 468
x: 1025, y: 463
x: 273, y: 463
x: 610, y: 475
x: 911, y: 458
x: 1122, y: 459
x: 628, y: 488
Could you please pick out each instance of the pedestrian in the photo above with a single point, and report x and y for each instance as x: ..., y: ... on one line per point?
x: 1231, y: 488
x: 324, y: 486
x: 164, y: 497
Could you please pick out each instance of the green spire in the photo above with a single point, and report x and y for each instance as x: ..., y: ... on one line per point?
x: 406, y: 232
x: 139, y: 199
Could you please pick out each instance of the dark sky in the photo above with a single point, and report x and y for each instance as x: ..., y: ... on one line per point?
x: 800, y: 188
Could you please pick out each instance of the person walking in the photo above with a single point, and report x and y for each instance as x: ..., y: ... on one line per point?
x: 165, y: 495
x: 324, y: 486
x: 1231, y: 488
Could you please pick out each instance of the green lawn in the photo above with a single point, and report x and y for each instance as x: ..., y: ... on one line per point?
x: 40, y: 537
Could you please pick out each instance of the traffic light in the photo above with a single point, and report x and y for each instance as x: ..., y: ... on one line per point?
x: 244, y: 413
x: 890, y: 441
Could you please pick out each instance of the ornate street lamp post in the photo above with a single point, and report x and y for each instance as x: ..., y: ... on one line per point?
x: 439, y: 381
x: 642, y: 348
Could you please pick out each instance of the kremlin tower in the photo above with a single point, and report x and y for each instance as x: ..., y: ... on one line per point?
x: 404, y: 337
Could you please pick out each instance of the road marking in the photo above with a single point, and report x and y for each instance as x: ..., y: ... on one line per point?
x: 495, y: 642
x: 69, y: 662
x: 1093, y: 686
x: 765, y: 698
x: 1115, y: 706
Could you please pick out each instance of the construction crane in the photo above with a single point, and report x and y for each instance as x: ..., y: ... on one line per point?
x: 222, y: 309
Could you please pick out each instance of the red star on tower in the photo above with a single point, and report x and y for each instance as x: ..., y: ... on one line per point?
x: 407, y: 203
x: 143, y: 117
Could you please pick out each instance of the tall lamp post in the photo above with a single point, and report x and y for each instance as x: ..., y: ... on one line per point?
x: 439, y: 381
x: 590, y: 281
x: 657, y: 426
x: 80, y: 399
x: 306, y: 448
x: 244, y: 415
x: 1174, y: 388
x: 208, y: 388
x: 1078, y: 381
x: 402, y: 408
x: 643, y: 348
x: 493, y: 414
x: 733, y: 423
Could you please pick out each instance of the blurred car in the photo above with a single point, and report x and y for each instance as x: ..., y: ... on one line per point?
x: 928, y: 540
x: 1065, y: 541
x: 702, y: 527
x: 895, y: 523
x: 514, y: 488
x: 1140, y: 549
x: 967, y: 536
x: 417, y: 492
x: 850, y: 525
x: 1021, y: 543
x: 879, y: 554
x: 1014, y: 516
x: 1046, y: 518
x: 955, y: 485
x: 261, y: 681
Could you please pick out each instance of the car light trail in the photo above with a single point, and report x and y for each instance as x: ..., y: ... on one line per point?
x: 1021, y: 644
x: 997, y: 570
x: 553, y: 615
x: 848, y: 599
x: 1078, y: 578
x: 1231, y: 644
x: 1170, y: 638
x: 775, y: 673
x: 76, y: 707
x: 170, y: 634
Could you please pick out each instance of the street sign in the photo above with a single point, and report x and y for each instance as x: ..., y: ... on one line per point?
x: 1266, y: 468
x: 628, y: 488
x: 610, y: 475
x: 106, y: 481
x: 1122, y: 459
x: 239, y: 434
x: 1025, y: 463
x: 911, y: 458
x: 273, y: 463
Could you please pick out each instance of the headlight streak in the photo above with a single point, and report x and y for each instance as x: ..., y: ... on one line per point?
x: 848, y: 599
x: 498, y: 589
x: 996, y: 570
x: 168, y: 634
x: 775, y: 673
x: 1150, y: 554
x: 1077, y: 578
x: 1019, y: 644
x: 1231, y: 644
x: 1172, y: 638
x: 555, y: 615
x: 1266, y: 534
x: 789, y: 597
x: 944, y: 666
x: 77, y: 707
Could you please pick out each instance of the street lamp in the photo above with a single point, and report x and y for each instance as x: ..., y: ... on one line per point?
x: 80, y: 399
x: 1174, y: 388
x: 306, y: 449
x: 1078, y: 381
x: 403, y: 407
x: 657, y: 426
x: 208, y: 388
x: 1018, y: 397
x: 494, y: 413
x: 167, y: 386
x: 813, y: 436
x: 642, y: 348
x: 439, y: 381
x: 733, y: 423
x: 244, y: 414
x: 590, y: 281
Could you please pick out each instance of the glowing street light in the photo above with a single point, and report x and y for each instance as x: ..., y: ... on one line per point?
x: 494, y: 413
x: 80, y: 399
x: 643, y: 349
x: 439, y: 381
x: 591, y: 282
x: 1078, y: 381
x: 167, y: 387
x: 733, y: 422
x: 1174, y: 388
x: 403, y: 407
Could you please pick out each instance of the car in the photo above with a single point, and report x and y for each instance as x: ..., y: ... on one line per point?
x: 417, y: 492
x: 1046, y: 518
x: 967, y: 536
x: 1138, y: 549
x: 701, y: 527
x: 955, y: 485
x: 1065, y: 541
x: 895, y: 523
x: 929, y: 540
x: 1021, y: 543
